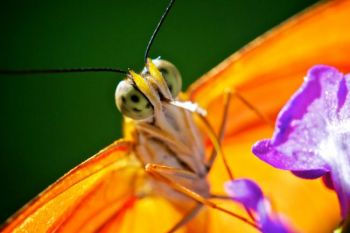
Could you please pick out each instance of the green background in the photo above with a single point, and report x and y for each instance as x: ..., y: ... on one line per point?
x: 50, y: 123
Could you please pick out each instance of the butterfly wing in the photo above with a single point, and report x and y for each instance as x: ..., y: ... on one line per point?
x: 106, y: 193
x: 266, y: 73
x: 97, y: 189
x: 274, y: 64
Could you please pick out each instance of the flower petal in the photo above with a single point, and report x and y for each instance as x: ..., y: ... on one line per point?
x: 310, y: 174
x: 312, y: 135
x: 300, y: 124
x: 251, y: 196
x: 244, y: 191
x: 269, y: 222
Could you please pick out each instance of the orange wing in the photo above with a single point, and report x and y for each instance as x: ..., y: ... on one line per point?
x: 99, y: 188
x: 269, y: 69
x: 266, y: 73
x: 106, y: 193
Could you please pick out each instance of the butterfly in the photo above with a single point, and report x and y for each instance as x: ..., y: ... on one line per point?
x: 199, y: 94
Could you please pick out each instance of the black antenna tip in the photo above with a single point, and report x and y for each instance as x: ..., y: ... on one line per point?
x: 155, y: 32
x: 58, y: 71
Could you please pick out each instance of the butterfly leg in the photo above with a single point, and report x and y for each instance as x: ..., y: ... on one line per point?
x: 160, y: 172
x: 188, y: 217
x: 227, y: 100
x: 225, y: 197
x: 262, y: 116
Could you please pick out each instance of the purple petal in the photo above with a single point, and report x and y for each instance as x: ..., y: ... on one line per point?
x: 338, y: 147
x: 297, y: 106
x: 294, y: 160
x: 342, y: 187
x: 251, y: 196
x: 244, y: 191
x: 310, y: 174
x: 327, y: 180
x: 312, y: 134
x: 342, y: 93
x: 344, y: 96
x: 269, y: 223
x: 300, y: 124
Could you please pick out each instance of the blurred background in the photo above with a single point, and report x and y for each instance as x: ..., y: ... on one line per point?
x: 50, y: 123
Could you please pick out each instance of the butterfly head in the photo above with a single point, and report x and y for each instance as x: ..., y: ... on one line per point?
x: 140, y: 96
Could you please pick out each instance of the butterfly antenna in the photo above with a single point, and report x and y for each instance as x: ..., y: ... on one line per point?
x: 63, y: 70
x: 155, y: 32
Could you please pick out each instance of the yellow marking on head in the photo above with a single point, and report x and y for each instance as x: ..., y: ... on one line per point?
x: 145, y: 87
x: 158, y: 79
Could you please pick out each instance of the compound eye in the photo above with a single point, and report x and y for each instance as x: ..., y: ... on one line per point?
x: 171, y: 75
x: 131, y: 102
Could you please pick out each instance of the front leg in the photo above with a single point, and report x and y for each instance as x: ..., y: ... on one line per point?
x: 161, y: 173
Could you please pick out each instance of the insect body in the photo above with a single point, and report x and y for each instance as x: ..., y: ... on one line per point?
x: 165, y: 135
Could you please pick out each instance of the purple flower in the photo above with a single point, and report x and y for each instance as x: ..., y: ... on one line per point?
x: 250, y: 195
x: 312, y: 133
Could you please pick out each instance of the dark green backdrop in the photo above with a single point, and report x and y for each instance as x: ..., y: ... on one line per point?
x: 50, y: 123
